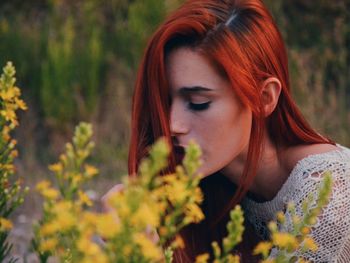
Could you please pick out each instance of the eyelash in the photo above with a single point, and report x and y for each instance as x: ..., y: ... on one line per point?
x: 198, y: 106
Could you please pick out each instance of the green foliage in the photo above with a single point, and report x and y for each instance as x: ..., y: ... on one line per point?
x: 142, y: 18
x: 57, y: 76
x: 317, y: 34
x: 71, y: 74
x: 22, y: 45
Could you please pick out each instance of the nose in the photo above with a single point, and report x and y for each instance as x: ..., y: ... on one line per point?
x: 178, y: 123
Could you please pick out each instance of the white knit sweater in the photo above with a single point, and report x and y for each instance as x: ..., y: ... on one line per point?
x: 332, y: 230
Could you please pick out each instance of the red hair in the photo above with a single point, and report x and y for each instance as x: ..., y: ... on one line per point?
x: 242, y: 40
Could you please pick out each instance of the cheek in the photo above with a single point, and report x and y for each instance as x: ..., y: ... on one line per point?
x: 226, y: 138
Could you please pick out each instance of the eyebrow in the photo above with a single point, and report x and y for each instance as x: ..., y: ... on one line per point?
x: 195, y: 89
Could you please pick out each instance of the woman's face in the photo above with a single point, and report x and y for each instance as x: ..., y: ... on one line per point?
x: 205, y: 108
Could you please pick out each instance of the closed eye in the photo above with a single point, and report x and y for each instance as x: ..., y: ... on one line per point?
x: 198, y: 106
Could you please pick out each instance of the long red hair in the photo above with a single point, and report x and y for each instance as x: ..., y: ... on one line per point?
x: 242, y: 40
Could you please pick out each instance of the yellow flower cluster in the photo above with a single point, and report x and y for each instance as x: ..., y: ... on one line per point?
x: 67, y: 226
x: 5, y: 224
x: 9, y: 96
x: 148, y: 204
x: 163, y: 204
x: 11, y: 195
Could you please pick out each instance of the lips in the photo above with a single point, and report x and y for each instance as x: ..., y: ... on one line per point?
x: 179, y: 153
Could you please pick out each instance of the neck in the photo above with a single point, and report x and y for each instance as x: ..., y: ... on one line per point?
x: 271, y: 172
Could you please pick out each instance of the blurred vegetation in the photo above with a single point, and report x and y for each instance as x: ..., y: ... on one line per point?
x: 77, y: 61
x: 317, y: 34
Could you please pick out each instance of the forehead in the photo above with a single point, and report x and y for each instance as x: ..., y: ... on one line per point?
x: 186, y: 67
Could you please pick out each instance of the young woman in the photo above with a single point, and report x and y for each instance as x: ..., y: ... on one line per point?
x: 216, y: 71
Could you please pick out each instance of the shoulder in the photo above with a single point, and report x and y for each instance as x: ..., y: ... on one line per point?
x: 311, y: 153
x: 308, y: 164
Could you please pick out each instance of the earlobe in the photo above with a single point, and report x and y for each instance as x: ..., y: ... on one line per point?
x: 270, y: 92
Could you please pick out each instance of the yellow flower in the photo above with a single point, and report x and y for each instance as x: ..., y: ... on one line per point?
x: 44, y: 184
x: 14, y: 153
x: 50, y: 193
x: 175, y: 189
x: 5, y: 224
x: 310, y: 244
x: 284, y: 240
x: 127, y: 249
x: 202, y: 258
x: 46, y: 191
x: 179, y: 242
x: 305, y: 230
x: 145, y: 215
x: 193, y: 213
x: 76, y: 178
x: 262, y: 248
x: 86, y: 246
x: 232, y: 258
x: 7, y: 167
x: 21, y: 104
x: 90, y: 170
x: 84, y: 198
x: 49, y: 228
x: 63, y: 158
x: 48, y: 244
x: 6, y: 133
x: 56, y: 168
x: 163, y: 231
x: 89, y: 218
x: 62, y: 206
x: 148, y: 248
x: 280, y: 217
x: 169, y: 178
x: 66, y: 221
x: 198, y: 195
x: 17, y: 91
x: 9, y: 115
x: 7, y: 94
x: 107, y: 225
x: 118, y: 201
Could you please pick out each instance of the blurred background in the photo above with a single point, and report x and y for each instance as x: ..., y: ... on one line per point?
x: 77, y: 60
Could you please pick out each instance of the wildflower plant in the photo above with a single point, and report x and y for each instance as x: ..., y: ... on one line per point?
x: 64, y: 208
x: 71, y: 232
x: 288, y: 241
x: 162, y: 203
x: 235, y: 229
x: 11, y: 195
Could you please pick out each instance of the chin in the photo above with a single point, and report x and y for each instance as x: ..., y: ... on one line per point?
x: 204, y: 171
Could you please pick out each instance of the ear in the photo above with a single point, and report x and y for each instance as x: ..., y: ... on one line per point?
x: 270, y: 92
